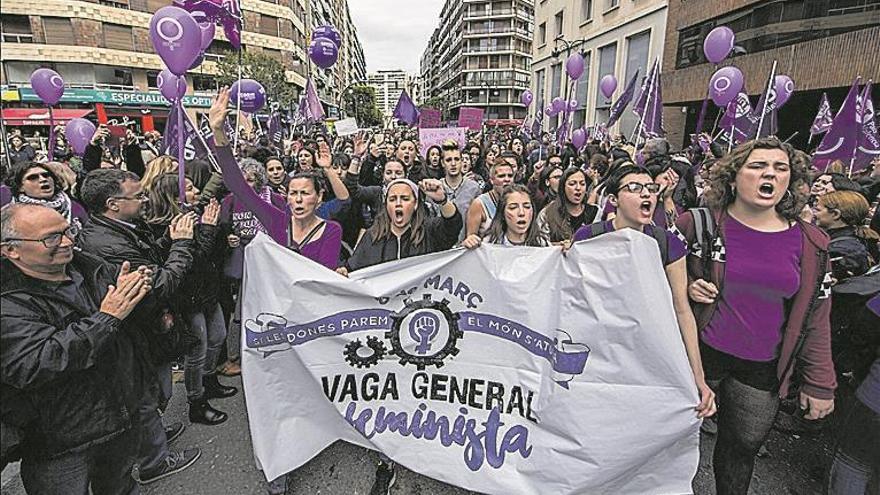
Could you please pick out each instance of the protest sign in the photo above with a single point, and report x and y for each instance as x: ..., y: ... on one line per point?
x: 587, y: 388
x: 346, y: 127
x: 429, y: 118
x: 469, y: 117
x: 430, y: 137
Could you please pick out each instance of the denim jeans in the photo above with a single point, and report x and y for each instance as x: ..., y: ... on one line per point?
x: 747, y: 405
x: 105, y: 467
x: 857, y: 458
x: 153, y: 442
x: 208, y: 330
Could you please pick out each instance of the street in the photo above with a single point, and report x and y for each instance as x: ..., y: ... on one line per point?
x: 794, y: 466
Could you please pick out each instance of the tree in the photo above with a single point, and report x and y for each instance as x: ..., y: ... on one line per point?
x: 361, y: 102
x: 262, y: 68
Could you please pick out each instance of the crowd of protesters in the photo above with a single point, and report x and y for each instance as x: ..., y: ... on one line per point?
x: 109, y: 281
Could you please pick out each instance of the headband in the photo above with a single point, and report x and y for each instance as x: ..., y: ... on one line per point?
x: 412, y: 185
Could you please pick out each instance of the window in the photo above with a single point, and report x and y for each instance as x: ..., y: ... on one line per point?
x: 539, y: 90
x: 607, y: 62
x: 582, y: 92
x: 542, y: 33
x: 610, y: 4
x: 268, y: 25
x: 586, y: 10
x: 17, y: 29
x: 555, y: 88
x: 59, y: 31
x: 637, y: 53
x: 118, y: 37
x: 560, y: 19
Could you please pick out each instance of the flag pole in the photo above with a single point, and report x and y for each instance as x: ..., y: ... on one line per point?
x: 766, y: 99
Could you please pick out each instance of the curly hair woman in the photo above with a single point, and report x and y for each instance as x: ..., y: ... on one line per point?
x: 759, y: 283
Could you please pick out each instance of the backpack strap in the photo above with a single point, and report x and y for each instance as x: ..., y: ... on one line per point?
x: 704, y: 228
x: 660, y: 235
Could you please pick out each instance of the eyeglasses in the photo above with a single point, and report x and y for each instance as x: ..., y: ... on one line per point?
x: 635, y: 187
x: 137, y: 197
x: 52, y: 241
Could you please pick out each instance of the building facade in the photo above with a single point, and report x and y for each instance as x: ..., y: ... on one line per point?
x: 617, y: 37
x: 388, y: 85
x: 479, y: 56
x: 823, y: 45
x: 103, y: 51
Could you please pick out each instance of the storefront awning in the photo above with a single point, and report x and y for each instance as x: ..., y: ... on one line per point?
x: 40, y: 116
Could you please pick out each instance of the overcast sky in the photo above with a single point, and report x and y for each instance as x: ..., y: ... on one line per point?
x: 394, y: 33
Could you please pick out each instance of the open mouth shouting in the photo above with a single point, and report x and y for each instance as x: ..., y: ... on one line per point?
x: 399, y: 217
x: 646, y: 207
x: 766, y: 190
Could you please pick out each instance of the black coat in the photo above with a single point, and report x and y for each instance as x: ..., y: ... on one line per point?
x: 440, y: 234
x: 71, y: 375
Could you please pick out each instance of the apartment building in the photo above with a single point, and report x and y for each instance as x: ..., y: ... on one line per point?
x: 388, y: 85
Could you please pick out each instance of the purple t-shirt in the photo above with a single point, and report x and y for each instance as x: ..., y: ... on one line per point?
x: 676, y: 249
x: 762, y: 271
x: 325, y: 250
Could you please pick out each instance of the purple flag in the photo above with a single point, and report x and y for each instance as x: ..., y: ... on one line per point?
x: 765, y: 110
x: 842, y: 139
x: 620, y: 105
x: 310, y: 108
x: 406, y: 110
x: 639, y: 106
x: 868, y: 147
x: 823, y: 119
x: 195, y: 144
x: 276, y: 131
x: 536, y: 126
x: 652, y: 122
x: 735, y: 121
x: 227, y: 13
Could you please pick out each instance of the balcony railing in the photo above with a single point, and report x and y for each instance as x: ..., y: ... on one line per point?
x: 497, y: 30
x: 480, y: 13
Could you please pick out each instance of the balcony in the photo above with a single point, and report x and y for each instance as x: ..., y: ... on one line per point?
x: 16, y: 38
x: 497, y: 30
x: 494, y: 13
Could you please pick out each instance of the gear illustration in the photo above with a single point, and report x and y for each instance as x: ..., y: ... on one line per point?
x: 421, y: 362
x: 355, y: 360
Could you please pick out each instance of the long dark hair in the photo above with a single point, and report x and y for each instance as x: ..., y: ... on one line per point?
x: 381, y: 228
x: 557, y: 210
x: 19, y: 170
x: 498, y: 228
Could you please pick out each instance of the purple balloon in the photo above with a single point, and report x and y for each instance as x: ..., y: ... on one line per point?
x: 574, y: 66
x: 207, y: 31
x: 784, y: 87
x: 579, y: 138
x: 725, y: 84
x: 718, y: 44
x: 573, y: 105
x: 198, y: 61
x: 549, y: 111
x: 79, y: 132
x: 176, y: 37
x: 171, y: 86
x: 526, y: 98
x: 48, y: 85
x: 329, y: 32
x: 253, y: 95
x: 323, y: 52
x: 558, y: 104
x: 607, y: 85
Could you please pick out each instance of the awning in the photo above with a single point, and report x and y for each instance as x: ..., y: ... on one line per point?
x: 40, y: 116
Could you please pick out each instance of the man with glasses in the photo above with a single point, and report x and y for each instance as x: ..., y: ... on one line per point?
x: 70, y: 371
x: 116, y: 232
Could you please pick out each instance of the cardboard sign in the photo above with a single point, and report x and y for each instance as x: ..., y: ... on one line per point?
x: 472, y: 118
x: 430, y: 137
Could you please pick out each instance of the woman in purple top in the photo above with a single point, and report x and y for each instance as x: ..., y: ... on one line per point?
x: 632, y: 191
x: 759, y: 281
x: 297, y: 226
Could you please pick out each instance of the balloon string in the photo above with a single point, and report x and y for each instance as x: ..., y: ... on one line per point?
x: 51, y: 134
x: 181, y: 169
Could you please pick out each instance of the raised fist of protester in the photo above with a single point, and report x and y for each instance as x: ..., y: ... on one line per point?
x: 233, y: 240
x: 211, y: 215
x: 433, y: 189
x: 182, y: 226
x: 130, y: 136
x: 472, y: 241
x: 101, y: 133
x: 702, y: 291
x: 130, y: 288
x: 816, y: 408
x: 667, y: 180
x: 217, y: 116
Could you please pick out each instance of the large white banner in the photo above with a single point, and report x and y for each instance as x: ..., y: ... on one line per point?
x: 501, y: 370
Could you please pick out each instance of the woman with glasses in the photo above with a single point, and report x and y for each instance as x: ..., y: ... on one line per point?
x: 198, y: 299
x: 759, y: 281
x: 563, y: 216
x: 632, y: 191
x: 34, y: 183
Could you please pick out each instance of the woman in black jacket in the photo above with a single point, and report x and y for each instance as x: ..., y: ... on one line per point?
x: 404, y: 229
